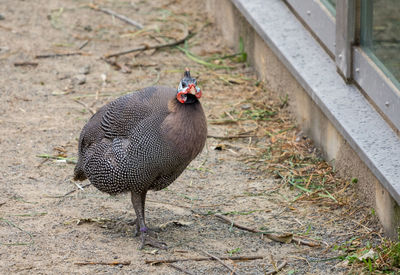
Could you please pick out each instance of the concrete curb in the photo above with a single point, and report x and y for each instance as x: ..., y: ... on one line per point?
x: 336, y: 113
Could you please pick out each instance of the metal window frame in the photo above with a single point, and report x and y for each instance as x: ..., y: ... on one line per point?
x: 345, y: 36
x: 321, y: 21
x: 339, y: 36
x: 348, y: 110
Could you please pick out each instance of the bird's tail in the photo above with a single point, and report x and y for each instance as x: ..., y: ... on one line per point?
x: 79, y: 174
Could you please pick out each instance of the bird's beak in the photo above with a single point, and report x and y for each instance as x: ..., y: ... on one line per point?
x: 191, y: 89
x: 194, y: 90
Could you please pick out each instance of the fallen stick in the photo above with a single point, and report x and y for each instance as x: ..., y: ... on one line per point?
x: 112, y: 63
x: 57, y: 55
x: 278, y: 268
x: 222, y: 121
x: 85, y: 105
x: 118, y: 67
x: 237, y: 225
x: 302, y: 241
x: 233, y: 258
x: 180, y: 269
x: 117, y: 15
x: 84, y: 44
x: 70, y: 192
x: 25, y: 63
x: 103, y: 263
x: 230, y: 137
x: 67, y: 160
x: 146, y: 47
x: 285, y: 238
x: 219, y: 260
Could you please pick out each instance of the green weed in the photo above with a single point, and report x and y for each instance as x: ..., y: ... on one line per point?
x: 233, y: 251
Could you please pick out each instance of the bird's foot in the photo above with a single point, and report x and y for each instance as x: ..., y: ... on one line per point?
x: 150, y: 231
x: 150, y: 240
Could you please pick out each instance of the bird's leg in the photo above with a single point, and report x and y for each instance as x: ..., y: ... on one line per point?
x: 137, y: 230
x: 138, y: 202
x: 136, y: 221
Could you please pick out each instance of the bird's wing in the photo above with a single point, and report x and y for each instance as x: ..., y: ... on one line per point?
x: 124, y: 114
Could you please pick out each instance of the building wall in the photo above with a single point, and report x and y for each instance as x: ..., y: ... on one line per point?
x: 306, y: 112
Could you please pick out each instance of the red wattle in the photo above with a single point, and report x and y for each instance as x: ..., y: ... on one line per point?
x: 179, y: 96
x: 198, y: 94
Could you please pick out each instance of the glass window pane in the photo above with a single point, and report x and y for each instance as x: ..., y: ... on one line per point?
x: 330, y: 5
x: 333, y: 2
x: 380, y: 34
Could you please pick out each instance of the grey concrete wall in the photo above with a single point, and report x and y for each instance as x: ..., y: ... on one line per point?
x: 307, y: 114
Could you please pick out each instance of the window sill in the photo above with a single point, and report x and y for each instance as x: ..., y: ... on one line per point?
x: 344, y: 105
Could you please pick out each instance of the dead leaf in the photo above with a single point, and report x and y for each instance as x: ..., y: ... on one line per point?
x: 369, y: 255
x: 220, y: 147
x: 91, y: 220
x: 175, y: 223
x: 283, y: 238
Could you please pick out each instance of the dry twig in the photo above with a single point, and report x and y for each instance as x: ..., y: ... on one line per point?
x: 230, y: 137
x: 219, y: 260
x: 85, y: 105
x: 57, y: 158
x: 233, y: 258
x: 146, y: 47
x: 278, y: 268
x: 180, y: 269
x: 283, y: 238
x: 57, y: 55
x: 103, y: 263
x: 222, y: 121
x: 25, y: 63
x: 70, y: 192
x: 117, y: 15
x: 84, y: 44
x: 113, y: 63
x: 237, y: 225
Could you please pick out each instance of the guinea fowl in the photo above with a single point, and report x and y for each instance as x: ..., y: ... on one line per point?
x: 143, y: 141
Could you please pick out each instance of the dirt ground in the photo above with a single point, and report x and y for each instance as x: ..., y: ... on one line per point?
x: 246, y: 173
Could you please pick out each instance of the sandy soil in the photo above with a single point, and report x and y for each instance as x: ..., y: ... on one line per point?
x: 43, y: 107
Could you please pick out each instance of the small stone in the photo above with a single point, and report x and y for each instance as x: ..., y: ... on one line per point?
x: 125, y: 69
x: 85, y: 69
x: 245, y: 106
x: 104, y: 78
x: 4, y: 49
x: 63, y: 76
x: 79, y: 79
x: 220, y: 147
x: 2, y: 17
x: 369, y: 255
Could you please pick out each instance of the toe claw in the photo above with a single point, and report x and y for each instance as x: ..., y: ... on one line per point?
x: 146, y: 239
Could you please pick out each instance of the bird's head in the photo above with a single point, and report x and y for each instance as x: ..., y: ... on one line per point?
x: 188, y: 91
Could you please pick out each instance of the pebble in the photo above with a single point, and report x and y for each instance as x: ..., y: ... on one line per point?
x: 88, y: 28
x: 245, y: 106
x: 4, y: 49
x: 2, y: 17
x: 79, y: 79
x: 85, y: 69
